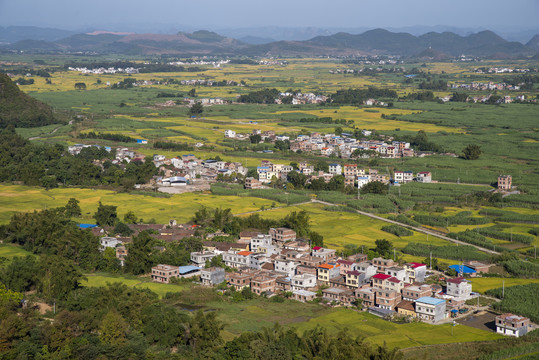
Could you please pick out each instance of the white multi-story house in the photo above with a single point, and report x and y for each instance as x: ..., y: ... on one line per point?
x: 431, y: 309
x: 260, y: 240
x: 362, y: 181
x: 237, y: 259
x: 286, y: 266
x: 109, y: 242
x: 302, y: 282
x: 335, y: 169
x: 230, y: 133
x: 459, y: 288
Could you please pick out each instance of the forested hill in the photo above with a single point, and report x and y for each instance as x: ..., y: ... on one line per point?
x: 19, y: 109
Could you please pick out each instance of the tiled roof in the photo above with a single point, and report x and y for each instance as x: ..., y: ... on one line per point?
x: 457, y: 280
x: 394, y: 280
x: 381, y: 276
x: 245, y: 253
x: 430, y: 300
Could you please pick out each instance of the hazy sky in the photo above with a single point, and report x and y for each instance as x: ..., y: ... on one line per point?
x: 111, y: 14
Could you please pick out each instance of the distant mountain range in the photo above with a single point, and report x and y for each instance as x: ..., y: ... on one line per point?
x: 372, y: 42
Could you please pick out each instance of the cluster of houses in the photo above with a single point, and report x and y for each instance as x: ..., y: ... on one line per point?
x: 484, y: 86
x: 299, y: 98
x: 184, y: 169
x: 204, y: 82
x: 353, y: 175
x: 496, y: 70
x: 102, y: 70
x: 277, y: 262
x: 344, y: 145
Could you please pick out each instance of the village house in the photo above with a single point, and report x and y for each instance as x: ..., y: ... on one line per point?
x: 326, y: 254
x: 239, y: 280
x: 212, y: 276
x: 335, y: 169
x: 260, y: 240
x: 109, y: 242
x: 406, y: 308
x: 367, y: 296
x: 282, y: 235
x: 424, y: 177
x: 346, y: 266
x: 431, y: 309
x: 163, y: 273
x: 512, y: 325
x: 286, y: 266
x: 325, y: 272
x: 237, y: 259
x: 459, y: 288
x: 381, y: 263
x: 303, y: 282
x: 415, y: 272
x: 252, y: 183
x: 121, y: 254
x: 263, y: 284
x: 387, y: 299
x: 199, y: 258
x: 414, y: 292
x: 505, y: 182
x: 339, y: 295
x: 304, y: 295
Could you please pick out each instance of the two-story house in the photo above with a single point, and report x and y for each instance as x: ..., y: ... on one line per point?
x: 431, y: 309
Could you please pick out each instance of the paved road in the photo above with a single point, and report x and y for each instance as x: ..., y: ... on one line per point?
x: 415, y: 228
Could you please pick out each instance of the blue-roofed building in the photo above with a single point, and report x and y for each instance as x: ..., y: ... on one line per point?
x: 188, y: 271
x: 87, y: 226
x: 142, y: 141
x: 430, y: 309
x: 462, y: 269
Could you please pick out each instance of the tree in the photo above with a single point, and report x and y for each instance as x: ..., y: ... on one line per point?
x: 196, y: 109
x: 58, y: 277
x: 374, y: 187
x: 113, y: 329
x: 72, y: 208
x: 130, y: 218
x: 383, y: 247
x: 316, y: 239
x: 471, y: 152
x: 255, y: 138
x: 192, y: 92
x: 106, y: 215
x: 80, y: 86
x: 122, y: 229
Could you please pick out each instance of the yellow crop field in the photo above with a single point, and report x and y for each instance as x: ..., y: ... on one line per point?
x: 342, y: 228
x: 17, y: 198
x: 372, y: 120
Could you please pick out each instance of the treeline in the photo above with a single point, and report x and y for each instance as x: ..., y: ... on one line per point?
x: 461, y: 218
x: 397, y: 230
x: 126, y: 83
x: 165, y: 145
x: 142, y: 68
x: 49, y: 165
x: 163, y: 94
x: 419, y: 142
x: 421, y: 96
x: 265, y: 96
x: 358, y: 96
x: 463, y: 252
x: 433, y: 85
x: 35, y: 72
x: 223, y: 219
x: 494, y: 232
x: 510, y: 216
x: 106, y: 136
x: 519, y: 299
x: 120, y: 322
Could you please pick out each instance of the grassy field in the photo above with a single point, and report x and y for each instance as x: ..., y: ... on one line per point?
x: 483, y: 284
x: 10, y: 251
x: 342, y: 228
x: 16, y: 198
x: 97, y: 280
x: 378, y: 331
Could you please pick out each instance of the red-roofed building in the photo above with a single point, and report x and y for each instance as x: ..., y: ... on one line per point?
x: 415, y: 272
x: 459, y: 288
x: 424, y: 177
x: 378, y: 280
x: 346, y: 266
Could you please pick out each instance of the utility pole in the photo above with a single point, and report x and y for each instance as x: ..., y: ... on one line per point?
x: 503, y: 289
x: 431, y: 260
x: 394, y: 254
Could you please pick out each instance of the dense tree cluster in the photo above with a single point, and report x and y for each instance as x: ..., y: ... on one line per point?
x: 265, y: 96
x: 46, y: 165
x: 106, y: 136
x: 357, y: 96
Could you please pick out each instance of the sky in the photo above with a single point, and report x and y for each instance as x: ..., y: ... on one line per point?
x: 212, y: 14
